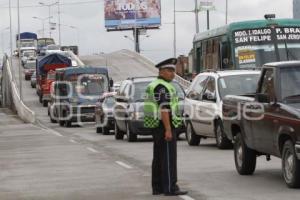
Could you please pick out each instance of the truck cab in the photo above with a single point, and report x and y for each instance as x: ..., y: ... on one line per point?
x: 45, y: 74
x: 76, y: 91
x: 268, y: 122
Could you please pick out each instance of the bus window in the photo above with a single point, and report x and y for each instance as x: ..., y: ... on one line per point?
x: 225, y: 52
x: 215, y: 54
x: 249, y: 44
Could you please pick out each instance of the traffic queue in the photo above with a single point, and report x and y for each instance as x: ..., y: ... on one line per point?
x: 87, y: 94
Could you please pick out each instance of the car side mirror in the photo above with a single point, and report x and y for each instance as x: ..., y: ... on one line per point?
x: 122, y: 99
x: 262, y: 98
x: 193, y: 95
x: 111, y: 82
x: 209, y: 97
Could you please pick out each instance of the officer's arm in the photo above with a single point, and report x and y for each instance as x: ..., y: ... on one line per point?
x: 165, y: 117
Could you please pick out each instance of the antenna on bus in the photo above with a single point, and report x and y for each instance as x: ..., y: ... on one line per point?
x: 270, y: 16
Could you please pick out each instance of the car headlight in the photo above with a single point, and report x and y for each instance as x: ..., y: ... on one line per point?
x: 74, y: 100
x: 137, y: 115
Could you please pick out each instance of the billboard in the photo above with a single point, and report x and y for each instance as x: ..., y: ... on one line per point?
x: 126, y: 14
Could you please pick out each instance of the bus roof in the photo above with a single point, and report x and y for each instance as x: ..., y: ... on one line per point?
x: 251, y: 24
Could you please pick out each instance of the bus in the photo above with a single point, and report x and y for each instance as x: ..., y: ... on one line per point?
x: 247, y: 44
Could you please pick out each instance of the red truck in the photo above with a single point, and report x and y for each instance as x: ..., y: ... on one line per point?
x: 45, y: 74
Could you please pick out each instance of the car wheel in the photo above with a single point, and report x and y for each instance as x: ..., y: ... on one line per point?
x: 131, y: 137
x: 222, y: 141
x: 105, y: 130
x: 99, y: 130
x: 45, y: 103
x: 41, y: 98
x: 244, y: 157
x: 191, y: 137
x: 68, y: 123
x: 51, y: 119
x: 118, y: 134
x: 290, y: 165
x: 61, y: 123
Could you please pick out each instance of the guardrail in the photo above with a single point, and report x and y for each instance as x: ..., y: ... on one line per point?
x: 74, y: 57
x: 184, y: 83
x: 10, y: 94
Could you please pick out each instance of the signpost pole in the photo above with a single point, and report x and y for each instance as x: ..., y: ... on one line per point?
x: 207, y: 17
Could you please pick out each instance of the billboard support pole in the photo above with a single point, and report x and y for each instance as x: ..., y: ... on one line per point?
x: 136, y: 35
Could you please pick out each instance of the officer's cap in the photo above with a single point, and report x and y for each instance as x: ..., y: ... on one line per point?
x: 169, y: 63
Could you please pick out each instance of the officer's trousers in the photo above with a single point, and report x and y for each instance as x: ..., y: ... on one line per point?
x: 164, y: 164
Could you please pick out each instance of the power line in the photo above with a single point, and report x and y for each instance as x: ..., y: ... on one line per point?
x: 62, y: 4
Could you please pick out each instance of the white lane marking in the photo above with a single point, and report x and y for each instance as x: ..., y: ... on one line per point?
x: 73, y: 141
x: 55, y: 133
x: 186, y: 197
x: 123, y: 165
x: 92, y: 150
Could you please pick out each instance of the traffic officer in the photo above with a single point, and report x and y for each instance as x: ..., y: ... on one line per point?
x: 162, y: 115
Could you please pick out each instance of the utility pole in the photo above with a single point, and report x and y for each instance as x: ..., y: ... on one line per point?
x: 226, y: 15
x: 207, y: 18
x: 136, y: 32
x: 59, y: 31
x: 10, y: 32
x: 196, y: 16
x: 49, y: 12
x: 43, y: 23
x: 174, y: 42
x: 19, y: 46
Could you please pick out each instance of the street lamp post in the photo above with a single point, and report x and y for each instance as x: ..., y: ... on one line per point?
x: 43, y: 22
x: 174, y: 39
x: 207, y: 6
x: 19, y: 50
x: 10, y: 33
x: 2, y: 38
x: 59, y: 23
x: 77, y: 30
x: 49, y: 10
x: 134, y: 41
x: 226, y: 15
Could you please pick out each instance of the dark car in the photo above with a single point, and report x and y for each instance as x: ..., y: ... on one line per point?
x: 129, y: 108
x: 104, y: 113
x: 33, y: 80
x: 267, y: 122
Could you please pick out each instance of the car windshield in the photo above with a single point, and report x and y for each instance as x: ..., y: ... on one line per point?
x: 51, y: 76
x: 90, y: 85
x: 255, y: 47
x: 140, y: 91
x: 290, y: 84
x: 53, y: 47
x: 45, y: 42
x: 109, y: 101
x: 28, y: 53
x: 27, y: 43
x: 238, y: 84
x: 29, y: 65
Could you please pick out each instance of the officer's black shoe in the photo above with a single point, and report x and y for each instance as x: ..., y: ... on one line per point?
x: 176, y: 193
x: 156, y: 192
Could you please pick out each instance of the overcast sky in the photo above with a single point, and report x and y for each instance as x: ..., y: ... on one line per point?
x: 93, y: 38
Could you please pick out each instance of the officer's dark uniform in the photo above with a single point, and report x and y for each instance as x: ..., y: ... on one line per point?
x: 164, y: 164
